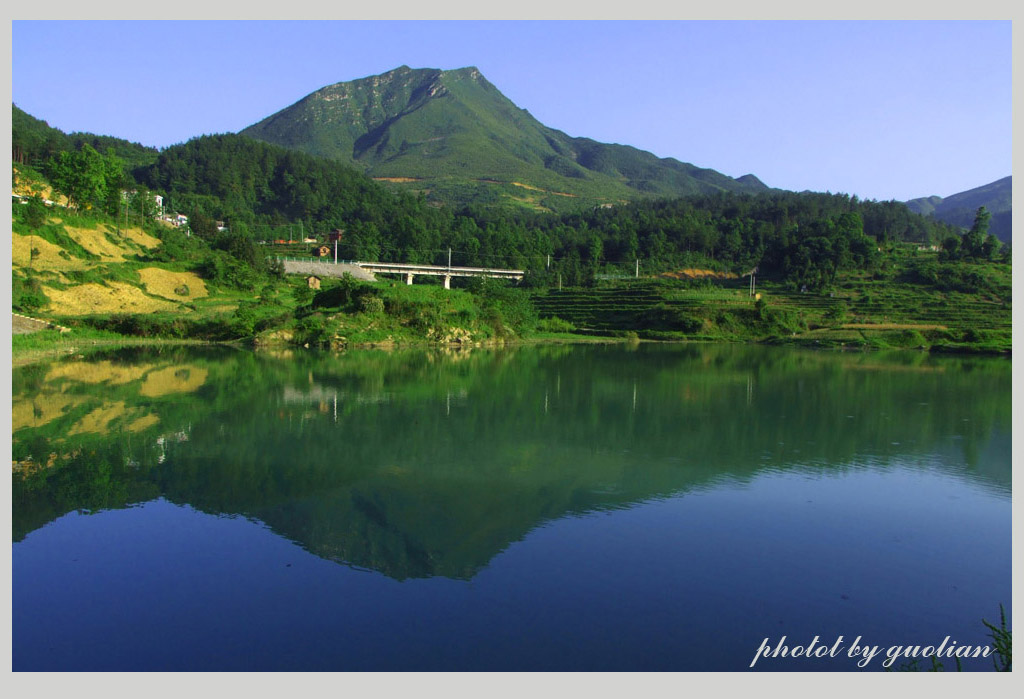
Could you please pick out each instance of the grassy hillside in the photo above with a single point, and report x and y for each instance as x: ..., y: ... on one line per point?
x: 917, y: 303
x: 454, y: 137
x: 105, y: 280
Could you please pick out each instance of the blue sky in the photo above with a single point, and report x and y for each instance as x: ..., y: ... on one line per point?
x: 884, y: 110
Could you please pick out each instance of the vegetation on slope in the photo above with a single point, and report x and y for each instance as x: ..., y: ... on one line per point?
x: 455, y: 137
x: 105, y: 263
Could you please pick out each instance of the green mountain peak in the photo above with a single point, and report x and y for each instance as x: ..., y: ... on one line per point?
x: 454, y: 136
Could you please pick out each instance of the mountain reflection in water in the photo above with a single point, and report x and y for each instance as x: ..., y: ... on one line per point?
x: 417, y: 464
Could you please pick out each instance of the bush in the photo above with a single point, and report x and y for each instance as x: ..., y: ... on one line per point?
x: 243, y: 321
x: 342, y: 296
x: 555, y: 325
x: 313, y: 331
x: 371, y: 304
x: 504, y: 307
x: 222, y: 270
x: 27, y: 295
x: 906, y: 338
x: 836, y: 313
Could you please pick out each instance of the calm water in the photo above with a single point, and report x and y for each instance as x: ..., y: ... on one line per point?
x: 551, y: 508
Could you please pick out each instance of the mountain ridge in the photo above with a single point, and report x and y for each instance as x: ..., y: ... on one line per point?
x: 447, y: 131
x: 959, y: 209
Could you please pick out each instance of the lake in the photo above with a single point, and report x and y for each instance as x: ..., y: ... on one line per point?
x: 557, y: 507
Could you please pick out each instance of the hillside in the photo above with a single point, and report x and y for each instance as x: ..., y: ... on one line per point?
x: 959, y: 209
x: 33, y: 141
x: 454, y: 136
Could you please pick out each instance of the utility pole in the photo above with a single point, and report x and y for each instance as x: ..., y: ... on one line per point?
x: 638, y: 268
x: 449, y: 259
x: 549, y: 261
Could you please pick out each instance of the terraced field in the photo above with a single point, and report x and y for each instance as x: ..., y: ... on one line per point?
x: 860, y: 312
x: 598, y: 309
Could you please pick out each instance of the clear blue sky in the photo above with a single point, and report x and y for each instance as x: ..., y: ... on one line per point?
x: 884, y: 110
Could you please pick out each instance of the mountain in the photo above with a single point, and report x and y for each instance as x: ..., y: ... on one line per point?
x: 455, y: 137
x: 959, y: 209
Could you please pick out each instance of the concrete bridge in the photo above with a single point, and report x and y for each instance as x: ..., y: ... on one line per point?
x: 369, y: 270
x: 319, y: 268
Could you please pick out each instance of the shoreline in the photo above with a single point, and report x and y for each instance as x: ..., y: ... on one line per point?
x: 68, y: 347
x: 27, y: 357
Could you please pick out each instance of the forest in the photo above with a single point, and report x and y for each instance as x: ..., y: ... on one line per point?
x: 257, y: 190
x: 805, y: 238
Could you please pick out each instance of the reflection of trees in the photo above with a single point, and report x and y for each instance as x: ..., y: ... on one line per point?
x: 415, y: 465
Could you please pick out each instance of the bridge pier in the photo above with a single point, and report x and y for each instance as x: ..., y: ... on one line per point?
x: 447, y: 281
x: 408, y: 278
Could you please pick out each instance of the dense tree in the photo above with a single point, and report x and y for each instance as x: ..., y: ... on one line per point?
x: 87, y: 178
x: 977, y: 243
x: 804, y: 238
x: 34, y: 142
x: 974, y: 239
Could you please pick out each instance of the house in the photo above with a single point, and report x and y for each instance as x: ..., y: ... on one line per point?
x: 335, y: 235
x: 313, y: 282
x: 158, y: 200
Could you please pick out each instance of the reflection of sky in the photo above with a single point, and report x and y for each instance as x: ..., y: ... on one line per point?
x: 990, y: 473
x: 908, y: 554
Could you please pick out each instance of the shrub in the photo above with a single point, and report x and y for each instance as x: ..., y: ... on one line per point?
x: 313, y: 330
x: 555, y: 325
x: 27, y: 295
x: 371, y: 304
x: 836, y: 313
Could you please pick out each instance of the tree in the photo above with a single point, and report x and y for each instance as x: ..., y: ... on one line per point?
x: 142, y: 204
x: 85, y: 177
x: 951, y: 248
x: 990, y: 248
x: 974, y: 239
x: 202, y: 225
x: 35, y: 213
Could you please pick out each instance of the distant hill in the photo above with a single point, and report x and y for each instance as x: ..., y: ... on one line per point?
x: 33, y: 141
x: 959, y: 209
x: 455, y: 137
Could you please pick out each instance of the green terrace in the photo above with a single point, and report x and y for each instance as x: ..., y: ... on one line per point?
x: 856, y: 312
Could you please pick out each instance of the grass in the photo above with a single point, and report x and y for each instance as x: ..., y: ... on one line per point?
x: 1002, y: 650
x: 1002, y: 643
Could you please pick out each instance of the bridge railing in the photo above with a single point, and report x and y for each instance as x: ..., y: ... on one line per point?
x: 321, y: 260
x: 399, y: 267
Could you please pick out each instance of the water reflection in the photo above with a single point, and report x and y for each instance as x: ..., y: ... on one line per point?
x: 419, y: 464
